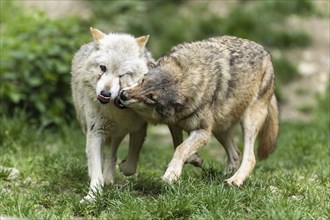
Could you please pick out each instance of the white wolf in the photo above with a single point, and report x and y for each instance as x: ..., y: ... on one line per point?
x: 96, y: 71
x: 100, y: 70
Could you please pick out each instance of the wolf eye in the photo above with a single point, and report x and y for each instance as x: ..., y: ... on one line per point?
x: 103, y: 68
x: 151, y: 97
x: 126, y: 74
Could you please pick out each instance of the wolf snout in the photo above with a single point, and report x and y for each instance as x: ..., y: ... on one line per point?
x: 120, y: 99
x: 104, y: 97
x: 122, y: 96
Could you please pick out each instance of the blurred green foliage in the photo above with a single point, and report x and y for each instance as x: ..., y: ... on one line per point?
x: 36, y: 52
x: 261, y: 27
x: 283, y: 8
x: 169, y: 24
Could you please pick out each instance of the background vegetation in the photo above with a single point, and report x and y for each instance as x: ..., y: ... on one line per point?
x: 36, y: 51
x: 40, y: 137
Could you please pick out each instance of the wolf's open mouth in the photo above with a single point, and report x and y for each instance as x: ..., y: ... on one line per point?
x: 103, y: 99
x: 119, y: 104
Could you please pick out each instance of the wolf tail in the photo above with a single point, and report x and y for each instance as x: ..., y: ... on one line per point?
x: 269, y: 131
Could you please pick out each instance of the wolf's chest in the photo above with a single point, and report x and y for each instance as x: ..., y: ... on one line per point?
x: 116, y: 122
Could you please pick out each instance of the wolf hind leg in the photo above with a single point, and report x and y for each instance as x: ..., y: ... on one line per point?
x: 233, y: 154
x: 109, y: 164
x: 177, y: 138
x: 252, y: 122
x: 136, y: 139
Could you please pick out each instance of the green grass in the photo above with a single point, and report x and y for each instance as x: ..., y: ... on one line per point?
x: 294, y: 183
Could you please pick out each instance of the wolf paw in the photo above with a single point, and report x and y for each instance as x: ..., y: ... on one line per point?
x: 90, y: 198
x: 94, y: 190
x: 108, y: 180
x: 233, y: 182
x: 126, y: 168
x: 195, y: 160
x: 170, y: 176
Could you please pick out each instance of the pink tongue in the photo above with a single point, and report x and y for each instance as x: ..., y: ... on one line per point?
x: 103, y: 99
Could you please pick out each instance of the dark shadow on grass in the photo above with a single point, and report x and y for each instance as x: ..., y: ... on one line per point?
x: 211, y: 173
x: 147, y: 186
x: 70, y: 178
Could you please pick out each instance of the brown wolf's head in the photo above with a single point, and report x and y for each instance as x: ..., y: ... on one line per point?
x: 157, y: 96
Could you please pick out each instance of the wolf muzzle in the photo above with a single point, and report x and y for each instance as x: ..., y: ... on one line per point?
x: 118, y: 101
x: 104, y: 97
x: 119, y: 104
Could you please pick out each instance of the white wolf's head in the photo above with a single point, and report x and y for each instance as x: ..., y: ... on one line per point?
x: 118, y: 61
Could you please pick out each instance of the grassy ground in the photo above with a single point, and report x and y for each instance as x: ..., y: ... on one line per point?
x: 294, y: 183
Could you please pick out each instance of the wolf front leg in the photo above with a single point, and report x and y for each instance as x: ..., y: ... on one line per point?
x: 136, y: 139
x: 195, y: 140
x: 177, y: 137
x: 93, y: 152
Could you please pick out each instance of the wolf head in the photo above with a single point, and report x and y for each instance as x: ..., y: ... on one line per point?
x: 157, y: 95
x: 117, y: 61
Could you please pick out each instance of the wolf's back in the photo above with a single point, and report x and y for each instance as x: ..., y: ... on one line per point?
x: 80, y: 58
x: 79, y: 90
x: 228, y: 67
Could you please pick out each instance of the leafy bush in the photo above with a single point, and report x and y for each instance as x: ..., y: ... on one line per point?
x: 36, y: 55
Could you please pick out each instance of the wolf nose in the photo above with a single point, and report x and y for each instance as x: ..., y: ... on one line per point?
x: 105, y: 93
x: 122, y: 96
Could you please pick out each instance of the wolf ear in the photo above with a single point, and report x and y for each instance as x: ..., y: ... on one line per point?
x: 97, y: 34
x: 151, y: 64
x: 142, y: 41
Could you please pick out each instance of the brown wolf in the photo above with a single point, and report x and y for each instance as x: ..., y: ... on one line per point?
x: 208, y: 87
